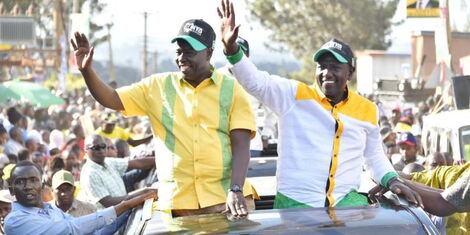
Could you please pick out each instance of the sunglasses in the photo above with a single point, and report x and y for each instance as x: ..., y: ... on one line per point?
x: 97, y: 147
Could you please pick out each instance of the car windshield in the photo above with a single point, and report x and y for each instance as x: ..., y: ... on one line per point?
x: 465, y: 142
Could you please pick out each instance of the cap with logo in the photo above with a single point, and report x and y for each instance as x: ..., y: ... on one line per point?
x: 197, y: 33
x: 243, y: 44
x: 62, y: 177
x: 407, y: 138
x: 340, y: 50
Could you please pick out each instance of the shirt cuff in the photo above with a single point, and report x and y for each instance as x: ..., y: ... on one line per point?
x: 387, y: 177
x: 233, y: 59
x: 108, y: 214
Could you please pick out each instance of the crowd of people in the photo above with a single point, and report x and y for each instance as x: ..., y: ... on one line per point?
x: 79, y: 163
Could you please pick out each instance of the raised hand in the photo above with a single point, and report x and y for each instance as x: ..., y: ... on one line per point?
x: 228, y: 29
x: 82, y: 51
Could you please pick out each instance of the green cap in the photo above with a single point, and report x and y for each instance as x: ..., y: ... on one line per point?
x: 61, y: 177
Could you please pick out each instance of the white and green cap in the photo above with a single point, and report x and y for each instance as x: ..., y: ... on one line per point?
x: 340, y: 50
x: 198, y: 33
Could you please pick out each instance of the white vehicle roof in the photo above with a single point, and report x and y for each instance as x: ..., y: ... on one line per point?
x: 452, y: 119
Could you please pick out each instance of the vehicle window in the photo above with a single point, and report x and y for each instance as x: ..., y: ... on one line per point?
x: 465, y: 142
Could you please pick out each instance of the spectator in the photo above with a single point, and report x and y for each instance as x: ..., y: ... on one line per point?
x: 24, y: 155
x: 32, y: 145
x: 435, y: 160
x: 30, y: 215
x: 71, y: 163
x: 4, y: 161
x: 39, y: 160
x: 112, y: 131
x: 3, y: 137
x: 122, y: 148
x: 111, y: 149
x: 63, y: 185
x: 396, y: 115
x: 444, y: 177
x: 449, y: 158
x: 5, y: 207
x: 408, y: 152
x: 15, y: 143
x: 413, y: 167
x: 101, y: 176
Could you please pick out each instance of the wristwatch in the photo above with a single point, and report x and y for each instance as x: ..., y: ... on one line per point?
x: 236, y: 188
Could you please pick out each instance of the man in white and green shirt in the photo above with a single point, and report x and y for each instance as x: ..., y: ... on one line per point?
x: 326, y: 130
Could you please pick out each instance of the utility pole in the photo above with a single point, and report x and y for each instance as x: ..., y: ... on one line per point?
x: 112, y: 74
x: 144, y: 56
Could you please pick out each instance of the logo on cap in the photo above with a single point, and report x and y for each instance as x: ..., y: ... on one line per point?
x: 190, y: 27
x: 335, y: 45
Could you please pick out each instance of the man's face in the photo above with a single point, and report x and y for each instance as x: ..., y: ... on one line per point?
x: 5, y: 209
x: 190, y: 62
x: 64, y: 194
x: 332, y: 76
x: 27, y: 186
x: 111, y: 149
x: 408, y: 152
x: 70, y: 160
x: 109, y: 127
x: 97, y: 150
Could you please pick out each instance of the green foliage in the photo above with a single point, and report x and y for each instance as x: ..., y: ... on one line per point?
x: 302, y: 26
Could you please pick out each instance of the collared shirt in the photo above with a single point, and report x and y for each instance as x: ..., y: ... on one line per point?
x: 99, y: 181
x: 322, y: 147
x: 52, y: 220
x: 78, y: 208
x: 191, y: 128
x: 117, y: 133
x: 444, y: 177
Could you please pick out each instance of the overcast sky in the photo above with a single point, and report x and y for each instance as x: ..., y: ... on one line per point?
x: 165, y: 17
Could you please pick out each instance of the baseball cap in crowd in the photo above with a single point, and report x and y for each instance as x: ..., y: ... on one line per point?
x: 6, y: 197
x: 385, y: 132
x: 340, y: 50
x: 110, y: 118
x: 243, y: 44
x: 197, y: 33
x: 62, y: 177
x: 407, y: 138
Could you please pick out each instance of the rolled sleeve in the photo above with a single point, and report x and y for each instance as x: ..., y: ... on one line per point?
x: 242, y: 116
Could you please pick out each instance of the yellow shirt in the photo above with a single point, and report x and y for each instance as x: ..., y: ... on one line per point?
x: 442, y: 178
x: 192, y: 130
x: 117, y: 133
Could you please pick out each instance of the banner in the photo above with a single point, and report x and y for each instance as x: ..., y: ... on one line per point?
x: 422, y: 8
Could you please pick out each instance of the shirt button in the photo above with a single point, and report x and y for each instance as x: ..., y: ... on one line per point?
x: 331, y: 175
x: 195, y: 141
x: 337, y: 137
x: 195, y: 125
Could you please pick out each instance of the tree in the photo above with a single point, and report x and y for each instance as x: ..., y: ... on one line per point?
x: 302, y: 26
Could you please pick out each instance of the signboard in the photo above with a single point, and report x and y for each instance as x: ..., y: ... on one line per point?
x: 422, y: 8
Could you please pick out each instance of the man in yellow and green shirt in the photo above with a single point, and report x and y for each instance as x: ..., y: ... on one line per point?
x: 442, y: 178
x: 201, y: 119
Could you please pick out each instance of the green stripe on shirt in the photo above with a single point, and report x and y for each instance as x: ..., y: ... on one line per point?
x: 225, y: 102
x: 168, y: 112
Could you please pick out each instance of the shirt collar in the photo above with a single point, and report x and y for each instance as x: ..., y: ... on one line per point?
x: 96, y: 165
x: 215, y: 77
x: 30, y: 209
x: 326, y: 99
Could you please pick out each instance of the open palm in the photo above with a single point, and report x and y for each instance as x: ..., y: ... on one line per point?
x: 82, y: 51
x: 228, y: 29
